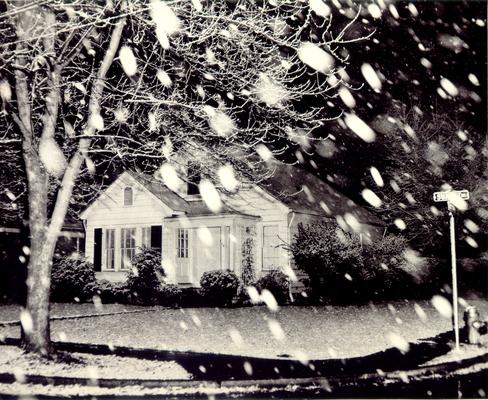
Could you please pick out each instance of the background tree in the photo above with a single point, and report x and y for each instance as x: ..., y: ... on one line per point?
x: 237, y: 78
x: 426, y: 153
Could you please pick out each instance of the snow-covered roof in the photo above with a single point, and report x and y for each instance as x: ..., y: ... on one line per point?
x: 303, y: 191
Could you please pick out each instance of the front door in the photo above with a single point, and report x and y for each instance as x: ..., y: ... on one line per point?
x: 207, y: 255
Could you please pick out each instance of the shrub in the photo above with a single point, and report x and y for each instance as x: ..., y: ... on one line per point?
x: 328, y: 256
x: 70, y: 277
x: 277, y: 283
x: 191, y: 297
x: 145, y: 276
x: 169, y: 295
x: 219, y: 287
x: 109, y: 292
x: 342, y: 270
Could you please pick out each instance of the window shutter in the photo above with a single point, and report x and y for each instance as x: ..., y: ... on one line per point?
x: 97, y: 249
x: 156, y: 236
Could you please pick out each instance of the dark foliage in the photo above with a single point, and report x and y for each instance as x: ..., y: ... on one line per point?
x: 169, y: 295
x: 70, y: 277
x: 342, y: 270
x: 219, y: 287
x: 109, y: 292
x: 145, y: 277
x: 277, y: 283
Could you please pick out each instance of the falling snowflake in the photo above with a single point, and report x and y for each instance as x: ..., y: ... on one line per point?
x: 205, y: 236
x: 164, y: 16
x: 219, y: 121
x: 96, y: 122
x: 170, y: 177
x: 210, y: 195
x: 376, y: 176
x: 52, y: 157
x: 449, y: 87
x: 420, y: 312
x: 128, y: 60
x: 5, y: 90
x: 263, y: 152
x: 236, y: 337
x: 320, y: 8
x: 400, y: 224
x: 276, y: 330
x: 359, y: 127
x: 26, y: 321
x: 270, y: 92
x: 227, y: 178
x: 270, y: 301
x: 473, y: 79
x: 197, y: 4
x: 442, y: 305
x: 316, y: 58
x: 121, y: 114
x: 398, y: 341
x: 374, y: 10
x: 164, y: 78
x: 371, y: 77
x: 371, y: 197
x: 346, y: 97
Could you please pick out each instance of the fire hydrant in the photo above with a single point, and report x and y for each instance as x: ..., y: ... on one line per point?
x: 474, y: 327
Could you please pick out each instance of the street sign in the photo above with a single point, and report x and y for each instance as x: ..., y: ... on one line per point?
x: 444, y: 196
x: 452, y: 197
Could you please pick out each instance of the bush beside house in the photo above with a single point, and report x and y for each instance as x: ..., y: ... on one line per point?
x: 277, y: 283
x: 341, y: 269
x: 219, y: 287
x: 146, y: 276
x: 70, y: 277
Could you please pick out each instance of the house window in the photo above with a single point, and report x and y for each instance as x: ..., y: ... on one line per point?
x: 127, y: 246
x: 182, y: 243
x: 146, y: 237
x: 271, y: 254
x: 128, y: 196
x: 110, y: 249
x: 194, y: 177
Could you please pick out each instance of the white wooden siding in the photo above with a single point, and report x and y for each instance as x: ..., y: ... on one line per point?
x: 109, y: 212
x: 271, y: 212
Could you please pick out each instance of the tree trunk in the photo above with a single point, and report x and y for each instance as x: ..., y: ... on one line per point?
x: 44, y: 232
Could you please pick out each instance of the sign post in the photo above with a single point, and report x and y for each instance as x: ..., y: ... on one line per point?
x: 450, y: 197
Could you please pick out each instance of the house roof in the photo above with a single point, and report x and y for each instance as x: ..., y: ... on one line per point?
x: 304, y: 192
x: 193, y: 208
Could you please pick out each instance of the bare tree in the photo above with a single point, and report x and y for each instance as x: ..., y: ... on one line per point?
x: 237, y: 78
x: 425, y: 153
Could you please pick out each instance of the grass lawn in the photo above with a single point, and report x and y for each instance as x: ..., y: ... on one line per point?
x: 314, y: 332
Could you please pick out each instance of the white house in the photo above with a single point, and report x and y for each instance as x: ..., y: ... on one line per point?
x: 139, y: 210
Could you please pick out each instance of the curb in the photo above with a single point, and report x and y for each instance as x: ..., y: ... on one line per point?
x: 343, y: 381
x: 224, y: 367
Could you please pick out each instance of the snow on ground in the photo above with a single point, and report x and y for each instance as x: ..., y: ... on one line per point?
x: 89, y: 366
x: 316, y: 332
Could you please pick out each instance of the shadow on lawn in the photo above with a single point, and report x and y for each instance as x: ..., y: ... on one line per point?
x: 220, y: 367
x: 223, y: 367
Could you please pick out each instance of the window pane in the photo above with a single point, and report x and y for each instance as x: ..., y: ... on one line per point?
x: 182, y: 243
x: 146, y: 237
x: 110, y: 249
x: 128, y: 196
x: 128, y: 246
